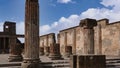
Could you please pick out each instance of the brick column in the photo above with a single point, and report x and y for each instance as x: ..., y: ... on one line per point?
x: 55, y: 52
x: 31, y: 57
x: 47, y: 48
x: 4, y: 43
x: 15, y: 50
x: 99, y: 40
x: 65, y: 43
x: 88, y: 31
x: 74, y: 42
x: 58, y: 38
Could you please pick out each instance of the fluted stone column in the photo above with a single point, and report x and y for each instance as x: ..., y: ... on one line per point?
x: 55, y: 52
x: 88, y: 31
x: 31, y: 57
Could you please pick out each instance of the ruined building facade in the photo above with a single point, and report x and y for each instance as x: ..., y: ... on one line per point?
x: 106, y: 39
x: 9, y: 31
x: 105, y: 36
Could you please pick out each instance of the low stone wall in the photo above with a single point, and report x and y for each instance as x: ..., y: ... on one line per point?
x: 88, y: 61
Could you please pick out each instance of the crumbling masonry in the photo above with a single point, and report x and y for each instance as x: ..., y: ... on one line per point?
x: 105, y: 36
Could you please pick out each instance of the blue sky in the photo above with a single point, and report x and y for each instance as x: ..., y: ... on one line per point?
x: 56, y: 15
x: 50, y: 10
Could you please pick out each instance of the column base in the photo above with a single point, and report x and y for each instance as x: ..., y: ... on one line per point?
x: 41, y: 54
x: 15, y: 58
x: 67, y: 55
x: 46, y: 54
x: 31, y: 63
x: 55, y: 57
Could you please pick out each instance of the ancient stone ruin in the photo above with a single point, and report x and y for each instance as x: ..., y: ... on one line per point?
x: 91, y: 44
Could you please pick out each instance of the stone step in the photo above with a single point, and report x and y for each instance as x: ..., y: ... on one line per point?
x: 56, y: 64
x: 10, y: 64
x: 12, y: 67
x: 113, y: 63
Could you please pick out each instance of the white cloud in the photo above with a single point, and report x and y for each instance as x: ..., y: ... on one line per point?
x: 20, y: 28
x: 44, y: 29
x: 62, y: 23
x: 112, y: 14
x: 64, y: 1
x: 1, y: 27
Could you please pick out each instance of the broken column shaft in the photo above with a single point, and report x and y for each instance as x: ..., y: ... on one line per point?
x: 55, y: 52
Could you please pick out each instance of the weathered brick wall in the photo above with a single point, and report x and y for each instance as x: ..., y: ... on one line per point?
x: 62, y: 44
x: 74, y: 39
x: 79, y: 41
x: 47, y: 39
x: 67, y: 38
x: 110, y: 38
x: 106, y: 39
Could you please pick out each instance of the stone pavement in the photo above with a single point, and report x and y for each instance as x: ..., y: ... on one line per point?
x: 46, y: 62
x: 113, y: 62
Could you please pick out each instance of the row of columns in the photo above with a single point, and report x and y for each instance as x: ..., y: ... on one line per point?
x: 88, y: 42
x: 52, y: 48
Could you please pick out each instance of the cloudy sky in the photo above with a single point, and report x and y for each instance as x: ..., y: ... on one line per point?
x: 56, y: 15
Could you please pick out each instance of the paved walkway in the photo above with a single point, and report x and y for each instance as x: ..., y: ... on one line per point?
x: 4, y: 59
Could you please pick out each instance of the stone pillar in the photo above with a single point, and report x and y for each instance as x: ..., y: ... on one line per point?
x: 74, y: 42
x: 4, y: 43
x: 0, y: 45
x: 65, y: 43
x: 68, y: 51
x: 88, y: 31
x: 55, y: 52
x: 41, y: 51
x: 99, y: 40
x: 47, y: 42
x: 58, y: 38
x: 15, y: 50
x: 47, y: 50
x: 31, y: 57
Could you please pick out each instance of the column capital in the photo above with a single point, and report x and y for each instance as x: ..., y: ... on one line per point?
x: 88, y: 23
